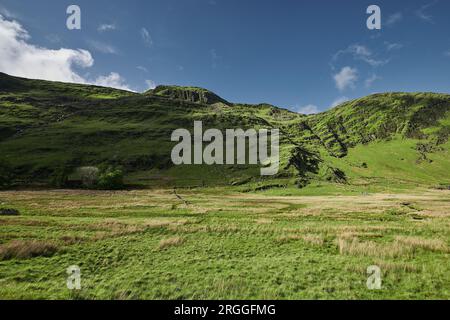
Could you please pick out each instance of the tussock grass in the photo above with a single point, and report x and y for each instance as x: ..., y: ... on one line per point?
x: 20, y: 249
x: 397, y: 266
x: 27, y: 223
x: 170, y: 242
x: 118, y: 232
x: 421, y: 243
x: 355, y: 247
x: 69, y: 240
x: 310, y: 238
x: 401, y: 246
x: 353, y: 234
x: 156, y: 224
x: 386, y: 267
x: 264, y: 221
x: 204, y: 229
x: 288, y: 238
x: 313, y: 239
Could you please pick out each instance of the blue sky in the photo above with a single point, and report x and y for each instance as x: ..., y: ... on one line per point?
x: 304, y: 55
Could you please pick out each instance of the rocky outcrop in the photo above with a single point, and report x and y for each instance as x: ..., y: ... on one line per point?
x: 189, y: 94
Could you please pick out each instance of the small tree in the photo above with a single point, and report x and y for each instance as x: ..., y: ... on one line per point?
x: 89, y: 176
x: 111, y: 179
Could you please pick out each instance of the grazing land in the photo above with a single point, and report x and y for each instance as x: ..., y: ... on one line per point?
x: 219, y: 243
x: 366, y: 183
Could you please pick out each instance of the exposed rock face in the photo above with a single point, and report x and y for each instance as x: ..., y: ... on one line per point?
x: 190, y: 94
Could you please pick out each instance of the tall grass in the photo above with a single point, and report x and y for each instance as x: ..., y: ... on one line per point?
x: 20, y: 249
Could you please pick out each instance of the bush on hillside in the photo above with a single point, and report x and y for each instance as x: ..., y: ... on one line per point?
x: 89, y: 176
x: 60, y: 177
x: 110, y: 179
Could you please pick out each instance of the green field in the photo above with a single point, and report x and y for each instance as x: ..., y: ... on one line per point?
x: 366, y: 183
x: 216, y: 243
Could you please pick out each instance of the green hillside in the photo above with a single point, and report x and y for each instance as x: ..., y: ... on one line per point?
x: 47, y: 128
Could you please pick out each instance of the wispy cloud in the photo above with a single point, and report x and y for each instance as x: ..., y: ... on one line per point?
x: 390, y: 46
x: 339, y: 101
x: 7, y: 13
x: 447, y: 53
x: 308, y: 109
x: 361, y: 53
x: 369, y: 81
x: 346, y: 78
x: 394, y: 18
x: 102, y: 47
x: 150, y: 84
x: 146, y: 38
x: 423, y: 15
x: 106, y: 27
x: 142, y: 68
x: 313, y: 109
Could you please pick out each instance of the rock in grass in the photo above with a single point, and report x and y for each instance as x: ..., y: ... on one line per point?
x: 9, y: 212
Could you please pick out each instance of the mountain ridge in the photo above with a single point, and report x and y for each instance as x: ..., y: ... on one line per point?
x: 91, y: 125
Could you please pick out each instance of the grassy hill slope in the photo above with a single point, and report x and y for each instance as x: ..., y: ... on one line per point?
x: 46, y: 126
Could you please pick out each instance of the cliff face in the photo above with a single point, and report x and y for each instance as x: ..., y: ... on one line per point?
x: 190, y: 94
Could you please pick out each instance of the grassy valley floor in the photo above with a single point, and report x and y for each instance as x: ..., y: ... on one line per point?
x: 217, y: 243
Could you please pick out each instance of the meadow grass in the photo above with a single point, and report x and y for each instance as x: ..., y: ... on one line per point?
x: 222, y: 244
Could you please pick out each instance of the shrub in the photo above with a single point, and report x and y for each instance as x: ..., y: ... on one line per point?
x: 110, y: 179
x: 60, y: 177
x: 88, y: 175
x: 336, y: 175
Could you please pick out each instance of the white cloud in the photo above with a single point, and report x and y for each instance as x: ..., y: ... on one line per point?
x: 150, y: 84
x: 394, y: 18
x: 308, y: 109
x: 146, y: 37
x: 19, y: 58
x: 362, y: 53
x: 369, y: 81
x: 360, y: 50
x: 339, y: 101
x: 142, y: 68
x: 346, y: 78
x: 113, y: 80
x: 8, y: 14
x: 447, y: 53
x: 392, y: 46
x: 425, y: 16
x: 106, y: 27
x: 313, y: 109
x: 102, y: 47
